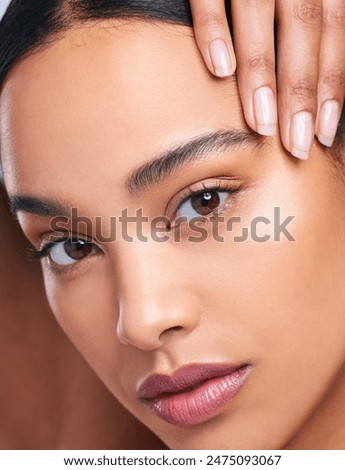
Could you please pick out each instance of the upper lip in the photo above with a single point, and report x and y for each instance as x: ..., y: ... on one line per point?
x: 183, y: 378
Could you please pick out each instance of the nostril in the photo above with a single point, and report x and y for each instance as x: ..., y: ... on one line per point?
x: 176, y: 328
x: 173, y: 328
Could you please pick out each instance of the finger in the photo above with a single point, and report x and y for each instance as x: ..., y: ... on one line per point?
x: 331, y: 89
x: 299, y: 35
x: 213, y: 37
x: 253, y: 25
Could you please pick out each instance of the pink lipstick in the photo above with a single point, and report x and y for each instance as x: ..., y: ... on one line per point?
x: 194, y: 393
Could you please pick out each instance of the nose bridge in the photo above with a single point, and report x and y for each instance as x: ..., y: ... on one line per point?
x: 154, y: 300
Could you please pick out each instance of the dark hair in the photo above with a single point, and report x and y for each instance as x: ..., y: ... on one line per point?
x: 28, y: 25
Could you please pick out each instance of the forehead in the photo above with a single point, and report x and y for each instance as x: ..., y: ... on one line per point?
x: 102, y: 99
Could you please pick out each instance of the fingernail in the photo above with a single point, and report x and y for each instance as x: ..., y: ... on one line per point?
x: 328, y: 122
x: 265, y: 109
x: 302, y: 134
x: 220, y: 58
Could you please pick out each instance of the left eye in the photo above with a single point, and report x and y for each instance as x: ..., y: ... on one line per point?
x: 202, y: 204
x: 70, y: 251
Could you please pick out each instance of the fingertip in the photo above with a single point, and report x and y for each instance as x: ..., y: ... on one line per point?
x: 265, y: 111
x: 300, y: 154
x: 267, y: 131
x: 221, y: 59
x: 326, y: 141
x: 328, y: 121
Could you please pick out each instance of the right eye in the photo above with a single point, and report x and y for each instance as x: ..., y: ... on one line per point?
x: 70, y: 251
x: 67, y: 251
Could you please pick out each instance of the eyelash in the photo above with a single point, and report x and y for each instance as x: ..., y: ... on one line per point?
x: 39, y: 254
x: 44, y: 251
x: 35, y: 254
x: 221, y: 185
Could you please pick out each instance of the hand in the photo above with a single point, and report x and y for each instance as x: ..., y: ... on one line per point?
x: 310, y: 63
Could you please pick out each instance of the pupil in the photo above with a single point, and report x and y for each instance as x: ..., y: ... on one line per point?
x: 77, y: 249
x: 206, y: 202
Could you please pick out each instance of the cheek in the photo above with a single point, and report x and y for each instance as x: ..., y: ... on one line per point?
x: 87, y: 311
x: 282, y: 302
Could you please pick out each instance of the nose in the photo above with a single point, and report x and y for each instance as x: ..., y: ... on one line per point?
x: 156, y: 297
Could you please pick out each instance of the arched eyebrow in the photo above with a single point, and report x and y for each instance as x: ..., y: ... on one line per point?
x: 38, y: 206
x: 153, y: 171
x: 173, y: 159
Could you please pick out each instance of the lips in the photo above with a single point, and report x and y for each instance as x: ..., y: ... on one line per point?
x: 193, y: 393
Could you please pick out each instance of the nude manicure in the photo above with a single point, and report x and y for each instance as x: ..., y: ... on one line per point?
x: 265, y: 109
x: 328, y: 122
x: 302, y: 134
x: 220, y: 58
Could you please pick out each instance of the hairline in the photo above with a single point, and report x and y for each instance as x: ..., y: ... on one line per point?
x: 335, y: 152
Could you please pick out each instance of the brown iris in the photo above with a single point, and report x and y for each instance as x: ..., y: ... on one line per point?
x: 77, y: 249
x: 206, y: 202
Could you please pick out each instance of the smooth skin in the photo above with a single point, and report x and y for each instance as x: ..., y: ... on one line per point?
x: 307, y: 93
x: 210, y: 24
x: 133, y: 309
x: 49, y: 396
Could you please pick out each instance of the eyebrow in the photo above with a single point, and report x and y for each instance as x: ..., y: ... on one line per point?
x: 174, y: 159
x: 38, y: 206
x: 153, y: 171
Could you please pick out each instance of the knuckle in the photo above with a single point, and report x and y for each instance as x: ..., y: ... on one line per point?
x: 333, y: 79
x: 260, y: 63
x: 335, y: 17
x: 210, y: 20
x: 308, y: 12
x: 302, y: 89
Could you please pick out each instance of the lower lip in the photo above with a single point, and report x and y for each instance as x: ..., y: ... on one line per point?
x: 201, y: 404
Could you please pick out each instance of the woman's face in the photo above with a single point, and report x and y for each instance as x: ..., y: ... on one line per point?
x: 77, y: 120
